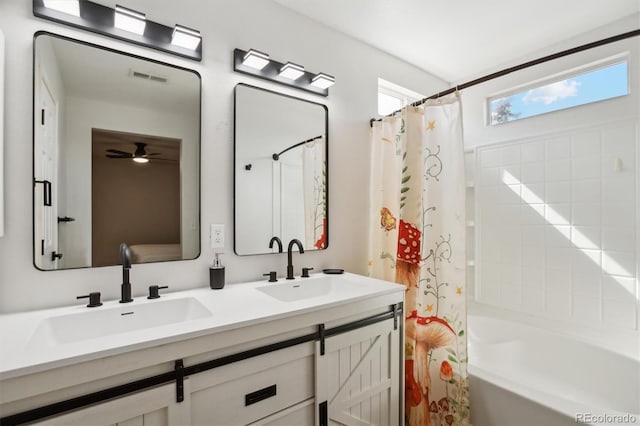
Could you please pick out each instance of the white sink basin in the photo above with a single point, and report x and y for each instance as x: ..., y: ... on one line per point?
x: 308, y: 288
x: 105, y: 321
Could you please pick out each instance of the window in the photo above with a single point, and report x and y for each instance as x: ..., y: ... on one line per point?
x: 392, y: 97
x: 597, y: 84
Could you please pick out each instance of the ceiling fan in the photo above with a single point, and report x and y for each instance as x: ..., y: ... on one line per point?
x: 139, y: 156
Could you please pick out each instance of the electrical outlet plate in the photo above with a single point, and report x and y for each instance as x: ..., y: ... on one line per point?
x: 217, y: 236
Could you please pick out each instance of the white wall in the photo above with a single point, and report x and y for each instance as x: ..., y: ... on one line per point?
x: 225, y: 25
x: 556, y: 224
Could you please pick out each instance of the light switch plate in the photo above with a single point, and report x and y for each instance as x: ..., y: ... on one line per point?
x: 217, y: 236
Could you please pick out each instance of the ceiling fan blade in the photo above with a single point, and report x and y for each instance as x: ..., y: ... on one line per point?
x: 118, y: 156
x: 116, y: 151
x: 153, y: 153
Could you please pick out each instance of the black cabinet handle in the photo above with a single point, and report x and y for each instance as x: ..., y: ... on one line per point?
x: 259, y: 395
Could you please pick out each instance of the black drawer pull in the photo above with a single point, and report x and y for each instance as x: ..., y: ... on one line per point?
x: 259, y: 395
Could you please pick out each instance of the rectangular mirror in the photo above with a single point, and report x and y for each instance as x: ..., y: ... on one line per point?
x: 280, y: 171
x: 116, y: 156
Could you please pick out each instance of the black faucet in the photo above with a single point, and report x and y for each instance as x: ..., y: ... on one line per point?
x: 278, y: 241
x: 125, y: 257
x: 290, y: 257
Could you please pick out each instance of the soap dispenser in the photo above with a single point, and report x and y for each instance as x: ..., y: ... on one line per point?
x: 216, y: 273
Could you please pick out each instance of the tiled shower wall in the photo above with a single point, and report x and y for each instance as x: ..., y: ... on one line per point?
x: 556, y: 225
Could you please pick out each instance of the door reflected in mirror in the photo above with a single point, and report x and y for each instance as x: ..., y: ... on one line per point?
x: 281, y: 151
x: 116, y: 156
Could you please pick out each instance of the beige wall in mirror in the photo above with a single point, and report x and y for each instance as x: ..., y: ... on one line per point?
x: 116, y: 157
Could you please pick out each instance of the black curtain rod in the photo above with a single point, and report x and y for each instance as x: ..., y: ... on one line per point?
x: 509, y: 70
x: 277, y: 156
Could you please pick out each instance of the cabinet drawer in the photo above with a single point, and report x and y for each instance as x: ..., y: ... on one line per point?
x: 249, y: 390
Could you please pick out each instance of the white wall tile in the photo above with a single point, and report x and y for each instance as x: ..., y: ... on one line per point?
x: 619, y: 239
x: 510, y: 154
x: 533, y: 299
x: 563, y: 223
x: 558, y: 302
x: 618, y: 213
x: 533, y: 256
x: 510, y: 275
x: 618, y: 189
x: 586, y: 214
x: 558, y: 192
x: 558, y: 279
x: 619, y: 263
x: 587, y: 309
x: 586, y: 168
x: 619, y: 314
x: 558, y: 214
x: 587, y: 283
x: 557, y: 236
x: 533, y: 276
x: 586, y: 190
x: 619, y: 288
x: 559, y: 170
x: 534, y: 172
x: 533, y: 152
x: 586, y: 145
x: 586, y: 237
x: 511, y: 296
x: 610, y: 167
x: 490, y: 157
x: 532, y: 214
x: 559, y: 148
x: 533, y: 235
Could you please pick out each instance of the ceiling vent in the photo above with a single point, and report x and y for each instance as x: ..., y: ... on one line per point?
x: 145, y: 76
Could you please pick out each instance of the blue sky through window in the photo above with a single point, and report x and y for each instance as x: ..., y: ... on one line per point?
x: 603, y: 83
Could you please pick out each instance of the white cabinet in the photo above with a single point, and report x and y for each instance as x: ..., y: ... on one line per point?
x: 247, y: 391
x: 359, y: 377
x: 154, y: 407
x: 337, y: 366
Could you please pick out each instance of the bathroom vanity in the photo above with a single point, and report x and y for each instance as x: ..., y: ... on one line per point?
x: 305, y: 351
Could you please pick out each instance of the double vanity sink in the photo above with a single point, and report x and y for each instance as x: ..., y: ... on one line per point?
x: 39, y: 340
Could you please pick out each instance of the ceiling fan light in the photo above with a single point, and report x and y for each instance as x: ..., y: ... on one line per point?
x: 141, y: 160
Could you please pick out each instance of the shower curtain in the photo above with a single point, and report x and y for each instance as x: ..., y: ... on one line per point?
x: 417, y: 238
x: 314, y: 189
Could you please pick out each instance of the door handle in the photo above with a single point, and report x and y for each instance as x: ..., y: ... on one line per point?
x: 47, y: 192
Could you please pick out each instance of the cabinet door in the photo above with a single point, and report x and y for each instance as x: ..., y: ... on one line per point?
x: 302, y: 414
x: 155, y: 407
x: 358, y: 378
x: 252, y: 389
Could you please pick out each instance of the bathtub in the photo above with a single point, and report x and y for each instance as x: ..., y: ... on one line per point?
x: 524, y: 375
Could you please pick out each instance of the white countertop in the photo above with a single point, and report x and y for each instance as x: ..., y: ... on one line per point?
x: 235, y: 306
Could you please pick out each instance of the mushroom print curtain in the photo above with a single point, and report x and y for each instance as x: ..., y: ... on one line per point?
x: 417, y: 238
x: 314, y: 189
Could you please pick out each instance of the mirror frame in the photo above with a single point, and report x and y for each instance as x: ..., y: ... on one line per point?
x: 235, y: 143
x: 33, y: 140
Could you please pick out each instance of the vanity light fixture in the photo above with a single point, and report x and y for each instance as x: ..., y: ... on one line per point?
x: 323, y: 80
x: 186, y: 37
x: 123, y: 24
x: 291, y: 71
x: 130, y: 20
x: 70, y: 7
x: 258, y: 64
x: 255, y: 59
